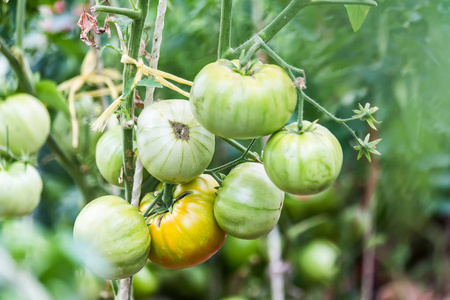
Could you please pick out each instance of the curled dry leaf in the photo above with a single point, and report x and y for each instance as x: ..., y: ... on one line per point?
x: 88, y: 23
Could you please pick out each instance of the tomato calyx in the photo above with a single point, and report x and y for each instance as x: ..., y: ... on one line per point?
x: 180, y: 130
x: 245, y: 70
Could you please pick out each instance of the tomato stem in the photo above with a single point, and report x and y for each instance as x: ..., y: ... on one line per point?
x: 130, y: 13
x: 167, y: 194
x: 157, y: 199
x: 225, y: 28
x: 243, y: 149
x: 127, y: 116
x: 301, y: 98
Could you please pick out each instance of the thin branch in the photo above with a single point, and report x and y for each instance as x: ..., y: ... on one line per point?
x: 242, y: 148
x: 225, y: 28
x: 130, y: 13
x: 267, y: 33
x: 20, y: 23
x: 16, y: 63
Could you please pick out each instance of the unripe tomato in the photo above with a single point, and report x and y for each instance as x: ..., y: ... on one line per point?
x: 248, y: 204
x: 27, y: 121
x: 303, y: 163
x: 20, y: 189
x: 188, y: 234
x: 242, y: 105
x: 238, y: 252
x: 173, y: 146
x: 109, y: 155
x: 145, y: 283
x: 317, y: 261
x: 115, y: 237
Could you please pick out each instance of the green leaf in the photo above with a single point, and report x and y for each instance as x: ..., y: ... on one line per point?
x: 357, y: 14
x: 48, y: 93
x: 150, y: 83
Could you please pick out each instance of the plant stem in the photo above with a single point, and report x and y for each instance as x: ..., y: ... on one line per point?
x: 167, y: 196
x: 267, y: 33
x: 159, y: 197
x: 128, y: 106
x: 301, y: 98
x: 233, y: 162
x: 130, y: 13
x: 250, y: 53
x: 20, y: 24
x: 16, y: 63
x: 242, y: 148
x: 225, y: 28
x: 280, y: 61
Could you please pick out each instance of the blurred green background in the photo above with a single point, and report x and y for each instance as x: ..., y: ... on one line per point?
x: 393, y: 214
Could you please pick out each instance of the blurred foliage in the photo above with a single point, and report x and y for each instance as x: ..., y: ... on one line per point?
x: 398, y: 61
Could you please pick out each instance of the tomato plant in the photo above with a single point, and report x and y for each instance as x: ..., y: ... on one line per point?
x: 27, y: 122
x: 20, y: 189
x: 174, y: 147
x: 248, y: 205
x: 114, y: 235
x: 305, y: 162
x: 187, y: 234
x: 234, y: 101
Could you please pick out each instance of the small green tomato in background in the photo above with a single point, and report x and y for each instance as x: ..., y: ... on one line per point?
x: 20, y: 189
x: 242, y: 103
x: 248, y: 205
x: 109, y: 155
x: 114, y: 237
x: 27, y: 122
x: 303, y: 163
x: 173, y: 146
x: 145, y: 283
x: 317, y: 261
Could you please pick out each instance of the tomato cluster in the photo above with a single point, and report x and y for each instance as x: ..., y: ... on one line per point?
x: 190, y: 214
x: 24, y: 128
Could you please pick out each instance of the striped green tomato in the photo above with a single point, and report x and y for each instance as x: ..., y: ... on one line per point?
x: 109, y: 155
x: 248, y: 205
x: 173, y: 146
x: 303, y: 163
x: 113, y: 236
x: 20, y: 189
x: 27, y: 122
x: 238, y: 104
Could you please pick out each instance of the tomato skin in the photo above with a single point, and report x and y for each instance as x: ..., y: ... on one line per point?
x: 28, y: 123
x: 232, y: 105
x: 305, y: 163
x: 317, y: 261
x: 248, y: 204
x: 115, y: 235
x: 109, y: 155
x: 189, y: 235
x: 171, y: 154
x: 20, y: 190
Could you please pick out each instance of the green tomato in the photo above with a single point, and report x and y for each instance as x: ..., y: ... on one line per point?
x: 248, y: 205
x: 242, y: 105
x: 145, y: 283
x: 303, y: 163
x: 20, y: 189
x: 173, y: 146
x: 317, y: 261
x: 238, y: 252
x: 109, y: 155
x: 114, y: 237
x: 27, y: 121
